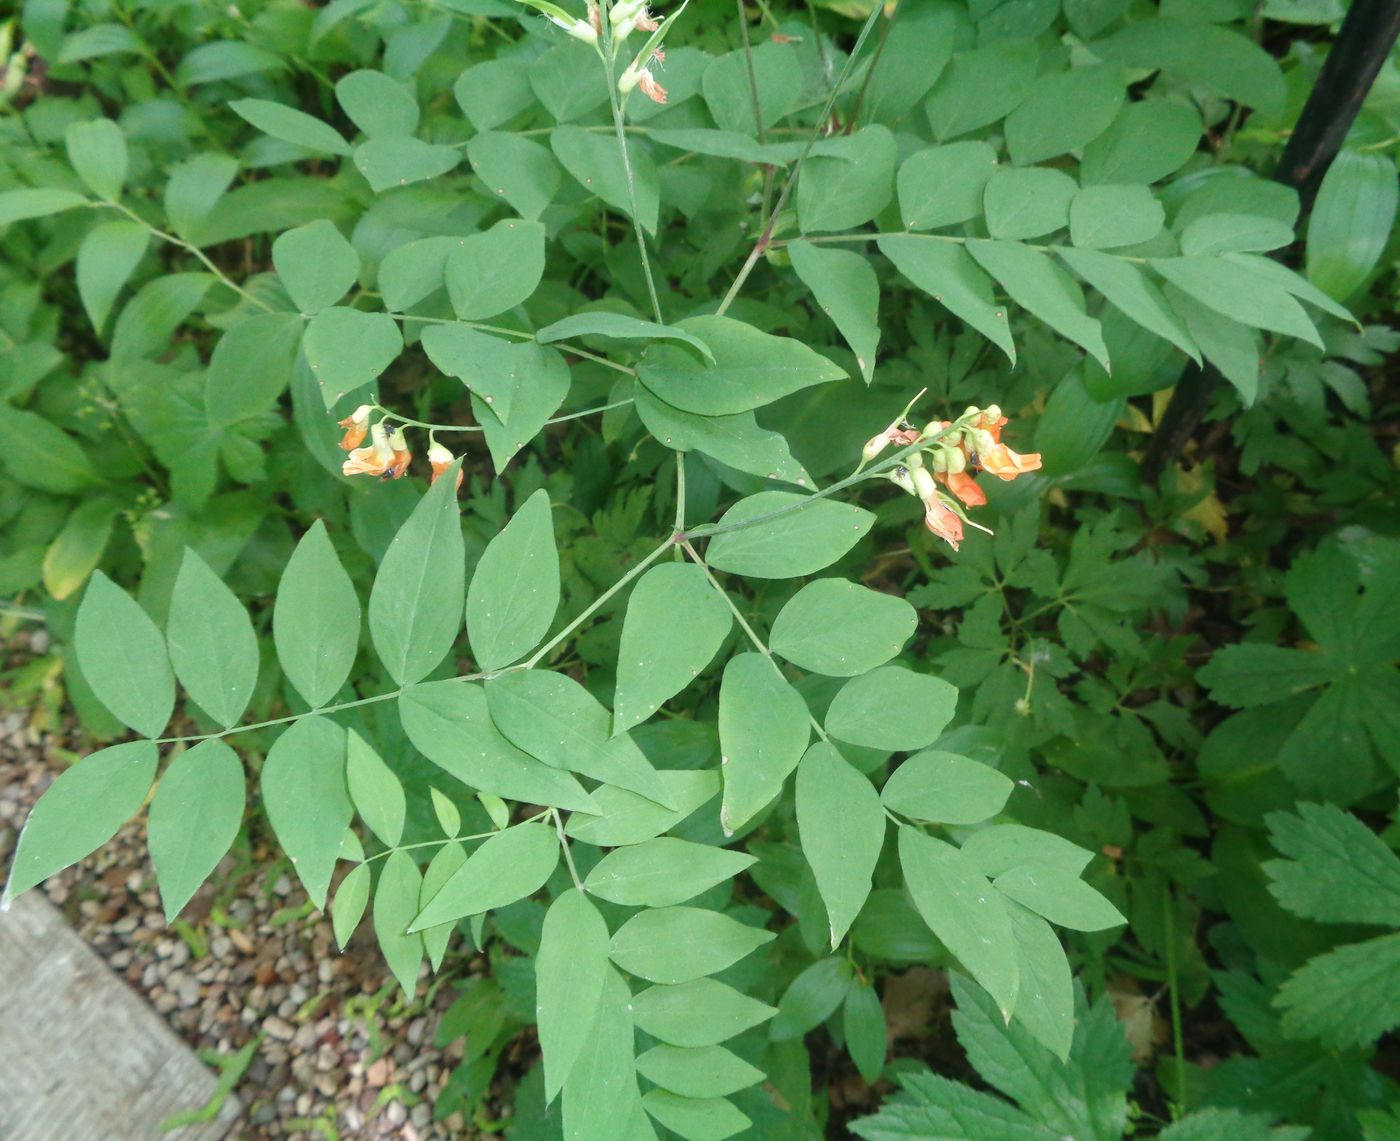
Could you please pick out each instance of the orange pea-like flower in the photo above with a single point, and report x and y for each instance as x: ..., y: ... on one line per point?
x: 650, y: 88
x: 441, y: 459
x: 355, y: 425
x: 398, y: 463
x: 1003, y: 463
x: 373, y: 460
x: 965, y: 488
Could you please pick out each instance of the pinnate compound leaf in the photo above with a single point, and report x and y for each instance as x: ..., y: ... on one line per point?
x: 945, y: 788
x: 1335, y: 870
x: 375, y: 790
x: 963, y: 909
x: 841, y: 629
x: 698, y: 1013
x: 675, y: 624
x: 305, y: 796
x: 415, y: 606
x: 764, y: 727
x: 316, y: 264
x: 291, y: 126
x: 81, y: 811
x: 1348, y: 997
x: 946, y: 272
x: 212, y: 644
x: 515, y: 589
x: 316, y: 619
x: 194, y: 819
x: 347, y: 349
x: 751, y: 368
x: 395, y: 902
x: 1041, y: 287
x: 570, y: 971
x: 842, y: 829
x: 1062, y: 899
x: 450, y: 724
x: 495, y: 270
x: 351, y: 898
x: 891, y: 708
x: 677, y: 944
x: 846, y: 289
x: 123, y: 657
x: 662, y: 872
x: 1252, y: 674
x: 619, y: 817
x: 554, y: 718
x: 802, y: 536
x: 697, y: 1071
x: 508, y: 866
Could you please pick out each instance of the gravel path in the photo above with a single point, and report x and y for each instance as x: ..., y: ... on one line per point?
x: 340, y: 1054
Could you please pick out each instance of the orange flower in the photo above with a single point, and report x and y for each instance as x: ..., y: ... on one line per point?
x: 373, y: 460
x: 943, y: 522
x: 355, y: 425
x: 650, y: 88
x: 965, y: 488
x: 398, y: 464
x: 1002, y: 462
x: 441, y: 459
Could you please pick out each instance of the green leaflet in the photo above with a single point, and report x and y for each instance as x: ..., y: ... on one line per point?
x: 395, y: 902
x: 841, y: 629
x: 508, y: 866
x: 81, y: 811
x: 662, y: 872
x: 123, y: 656
x: 212, y: 644
x: 375, y: 790
x: 698, y: 1013
x: 842, y: 827
x: 316, y: 264
x: 570, y: 972
x: 316, y: 620
x: 679, y: 944
x: 415, y: 607
x: 496, y: 270
x: 306, y: 767
x: 675, y: 624
x: 946, y: 788
x: 946, y: 273
x: 844, y: 286
x: 763, y: 730
x: 891, y: 708
x: 789, y: 535
x: 194, y: 819
x: 514, y: 592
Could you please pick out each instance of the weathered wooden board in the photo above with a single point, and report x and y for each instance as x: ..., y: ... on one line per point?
x: 82, y: 1057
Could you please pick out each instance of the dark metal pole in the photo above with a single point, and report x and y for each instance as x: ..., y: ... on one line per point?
x: 1367, y: 35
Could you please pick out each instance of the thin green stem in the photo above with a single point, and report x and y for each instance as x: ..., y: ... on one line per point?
x: 615, y: 102
x: 680, y: 492
x: 765, y: 238
x: 189, y: 247
x: 875, y: 236
x: 593, y: 607
x: 564, y: 845
x: 758, y: 643
x: 410, y: 422
x: 291, y: 717
x: 440, y: 843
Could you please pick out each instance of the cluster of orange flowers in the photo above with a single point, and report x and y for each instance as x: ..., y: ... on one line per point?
x: 956, y: 449
x: 387, y: 455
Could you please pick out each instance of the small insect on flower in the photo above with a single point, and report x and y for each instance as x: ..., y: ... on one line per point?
x: 373, y: 460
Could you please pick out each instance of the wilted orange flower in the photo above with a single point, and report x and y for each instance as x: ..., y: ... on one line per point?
x: 441, y: 459
x: 650, y: 88
x: 355, y: 425
x: 943, y: 521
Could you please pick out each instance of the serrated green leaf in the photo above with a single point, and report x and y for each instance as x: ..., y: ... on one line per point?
x: 1336, y: 869
x: 1348, y: 997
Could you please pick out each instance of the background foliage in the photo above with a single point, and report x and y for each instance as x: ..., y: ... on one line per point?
x: 733, y: 745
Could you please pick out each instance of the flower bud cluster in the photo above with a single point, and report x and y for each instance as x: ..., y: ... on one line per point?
x: 954, y: 450
x: 387, y: 455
